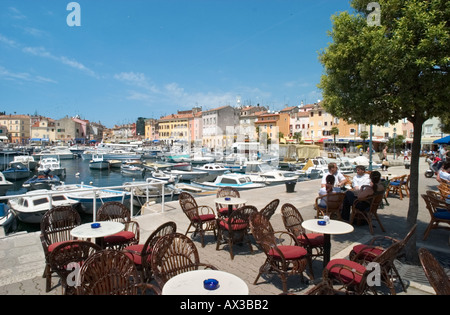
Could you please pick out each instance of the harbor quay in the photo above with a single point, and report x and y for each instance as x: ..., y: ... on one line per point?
x: 22, y: 257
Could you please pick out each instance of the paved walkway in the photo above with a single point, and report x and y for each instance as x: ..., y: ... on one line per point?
x: 22, y: 259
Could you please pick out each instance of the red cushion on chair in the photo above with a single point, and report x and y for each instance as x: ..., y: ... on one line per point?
x: 121, y: 237
x: 205, y: 217
x: 315, y: 239
x: 236, y: 226
x: 289, y: 252
x: 52, y: 246
x: 371, y: 250
x: 133, y: 251
x: 346, y: 275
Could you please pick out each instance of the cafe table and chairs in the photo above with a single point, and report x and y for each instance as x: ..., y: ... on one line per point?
x: 97, y: 230
x: 327, y: 228
x: 230, y: 202
x: 205, y: 282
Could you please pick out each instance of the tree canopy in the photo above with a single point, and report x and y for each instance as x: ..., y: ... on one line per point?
x: 397, y: 69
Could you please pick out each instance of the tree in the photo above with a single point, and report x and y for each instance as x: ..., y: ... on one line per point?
x: 334, y: 132
x: 364, y: 135
x: 297, y: 136
x: 399, y: 69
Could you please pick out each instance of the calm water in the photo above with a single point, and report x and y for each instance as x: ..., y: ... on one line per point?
x: 100, y: 178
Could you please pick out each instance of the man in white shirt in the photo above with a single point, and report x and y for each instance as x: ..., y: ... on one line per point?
x: 333, y: 170
x: 361, y: 178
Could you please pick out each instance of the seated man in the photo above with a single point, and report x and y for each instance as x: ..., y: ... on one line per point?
x: 333, y: 170
x: 361, y: 178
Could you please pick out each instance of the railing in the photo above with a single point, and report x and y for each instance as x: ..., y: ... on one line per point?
x: 150, y: 182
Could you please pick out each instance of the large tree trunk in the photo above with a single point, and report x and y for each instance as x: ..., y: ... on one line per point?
x: 413, y: 210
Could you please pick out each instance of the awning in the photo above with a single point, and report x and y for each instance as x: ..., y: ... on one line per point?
x: 3, y: 138
x: 445, y: 140
x: 325, y: 140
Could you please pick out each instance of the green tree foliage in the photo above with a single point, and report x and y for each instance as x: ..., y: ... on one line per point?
x: 399, y: 69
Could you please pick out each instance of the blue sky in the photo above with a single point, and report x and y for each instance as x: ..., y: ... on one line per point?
x: 149, y: 58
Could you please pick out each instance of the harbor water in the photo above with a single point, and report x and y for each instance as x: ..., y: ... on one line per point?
x: 76, y: 171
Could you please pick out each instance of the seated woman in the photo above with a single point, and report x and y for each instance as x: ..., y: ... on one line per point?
x: 364, y: 192
x: 327, y: 189
x: 443, y: 175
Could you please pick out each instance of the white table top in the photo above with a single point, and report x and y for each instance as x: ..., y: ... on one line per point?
x: 334, y: 227
x: 106, y: 228
x: 232, y: 201
x: 191, y: 283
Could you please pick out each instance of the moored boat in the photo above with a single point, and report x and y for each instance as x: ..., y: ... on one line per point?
x: 41, y: 181
x: 235, y: 180
x: 16, y: 172
x: 132, y: 170
x: 98, y: 163
x: 30, y: 207
x: 52, y: 164
x: 4, y: 184
x: 84, y: 194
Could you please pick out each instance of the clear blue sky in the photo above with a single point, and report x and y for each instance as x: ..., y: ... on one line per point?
x: 149, y: 58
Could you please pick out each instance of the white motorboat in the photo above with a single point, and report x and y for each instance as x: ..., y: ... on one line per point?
x: 98, y: 163
x: 62, y: 153
x: 235, y: 180
x: 274, y: 177
x: 30, y: 207
x: 132, y: 170
x: 261, y: 172
x: 4, y: 184
x: 186, y: 175
x: 84, y: 194
x: 160, y: 175
x: 27, y: 160
x: 212, y: 169
x: 52, y: 164
x: 115, y: 163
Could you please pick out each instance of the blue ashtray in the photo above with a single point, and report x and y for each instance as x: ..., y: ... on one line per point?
x: 227, y: 198
x: 210, y: 284
x: 95, y: 225
x: 322, y: 222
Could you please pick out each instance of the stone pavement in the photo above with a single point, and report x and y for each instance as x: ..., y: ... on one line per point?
x: 22, y: 259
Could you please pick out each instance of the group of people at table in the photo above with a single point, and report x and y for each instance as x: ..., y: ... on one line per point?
x: 363, y: 185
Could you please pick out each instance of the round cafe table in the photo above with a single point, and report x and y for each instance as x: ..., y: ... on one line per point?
x: 230, y: 202
x: 334, y: 227
x: 191, y: 283
x: 106, y: 228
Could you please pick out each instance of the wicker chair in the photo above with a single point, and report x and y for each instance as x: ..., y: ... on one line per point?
x: 72, y: 252
x: 367, y: 208
x: 141, y: 253
x: 111, y: 272
x: 235, y: 228
x: 56, y: 225
x: 386, y: 262
x: 434, y: 272
x: 378, y: 244
x: 333, y: 204
x: 292, y: 220
x: 270, y: 208
x: 345, y: 276
x: 222, y: 210
x: 202, y: 218
x: 444, y: 190
x: 397, y: 186
x: 174, y: 254
x: 439, y: 213
x: 283, y: 255
x: 116, y: 211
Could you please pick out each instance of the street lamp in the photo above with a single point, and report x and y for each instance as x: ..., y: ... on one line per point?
x: 395, y: 135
